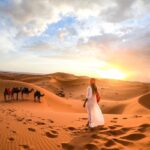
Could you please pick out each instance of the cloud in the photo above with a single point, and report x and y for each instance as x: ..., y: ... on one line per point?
x: 126, y: 45
x: 6, y: 44
x: 7, y: 41
x: 33, y: 17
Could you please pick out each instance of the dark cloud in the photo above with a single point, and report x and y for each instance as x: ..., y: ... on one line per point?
x: 121, y: 10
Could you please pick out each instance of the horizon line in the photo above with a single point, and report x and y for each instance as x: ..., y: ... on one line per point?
x: 36, y: 73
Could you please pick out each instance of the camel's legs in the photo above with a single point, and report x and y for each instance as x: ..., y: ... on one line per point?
x: 17, y: 96
x: 22, y: 95
x: 9, y: 97
x: 12, y: 96
x: 39, y: 97
x: 34, y: 98
x: 5, y: 98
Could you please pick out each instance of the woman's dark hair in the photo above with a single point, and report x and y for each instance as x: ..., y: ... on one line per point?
x: 93, y: 86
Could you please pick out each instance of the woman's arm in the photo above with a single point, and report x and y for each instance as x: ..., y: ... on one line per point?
x: 87, y: 96
x: 85, y: 102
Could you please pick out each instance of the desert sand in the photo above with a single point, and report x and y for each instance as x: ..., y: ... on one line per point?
x: 60, y: 122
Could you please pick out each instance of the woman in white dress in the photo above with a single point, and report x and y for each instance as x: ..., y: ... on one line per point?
x: 95, y: 116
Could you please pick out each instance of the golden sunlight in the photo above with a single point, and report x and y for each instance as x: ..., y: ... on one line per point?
x: 111, y: 73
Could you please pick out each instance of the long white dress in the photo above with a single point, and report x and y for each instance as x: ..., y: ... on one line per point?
x: 95, y: 116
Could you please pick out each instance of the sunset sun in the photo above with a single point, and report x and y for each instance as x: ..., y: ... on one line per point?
x: 111, y: 73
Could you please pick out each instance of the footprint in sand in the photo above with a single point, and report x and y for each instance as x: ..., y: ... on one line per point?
x: 137, y: 116
x: 119, y: 131
x: 31, y: 129
x: 20, y: 118
x: 123, y: 142
x: 134, y: 136
x: 71, y: 128
x: 53, y: 131
x: 83, y: 118
x: 14, y: 131
x: 115, y: 118
x: 51, y: 134
x: 51, y: 121
x: 113, y: 121
x: 28, y: 120
x: 24, y: 146
x: 50, y: 127
x: 11, y: 110
x: 40, y: 123
x: 67, y: 146
x: 144, y: 127
x: 90, y: 147
x: 124, y: 118
x: 125, y: 129
x: 11, y: 139
x: 115, y: 132
x: 58, y: 145
x: 110, y: 143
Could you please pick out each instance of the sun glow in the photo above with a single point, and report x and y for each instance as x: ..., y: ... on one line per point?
x: 111, y: 73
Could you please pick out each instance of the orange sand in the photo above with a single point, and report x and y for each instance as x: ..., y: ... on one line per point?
x: 59, y: 123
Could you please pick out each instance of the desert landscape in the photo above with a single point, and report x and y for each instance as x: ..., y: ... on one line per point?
x: 74, y: 75
x: 59, y: 121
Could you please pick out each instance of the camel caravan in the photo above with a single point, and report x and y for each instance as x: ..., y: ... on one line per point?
x: 11, y: 94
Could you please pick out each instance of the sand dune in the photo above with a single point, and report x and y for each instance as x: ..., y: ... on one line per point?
x: 50, y: 99
x: 27, y: 120
x: 60, y: 123
x: 75, y: 86
x: 145, y: 100
x: 134, y: 107
x: 138, y: 105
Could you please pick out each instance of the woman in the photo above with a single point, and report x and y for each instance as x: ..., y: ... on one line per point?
x: 95, y: 116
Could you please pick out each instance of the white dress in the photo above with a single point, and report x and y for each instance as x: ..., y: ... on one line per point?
x: 95, y: 116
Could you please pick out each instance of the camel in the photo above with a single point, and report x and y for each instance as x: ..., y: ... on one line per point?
x: 16, y: 91
x: 37, y: 96
x: 10, y: 93
x: 7, y: 92
x: 26, y: 91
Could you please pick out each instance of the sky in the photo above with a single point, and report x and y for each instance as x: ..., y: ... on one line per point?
x: 97, y: 38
